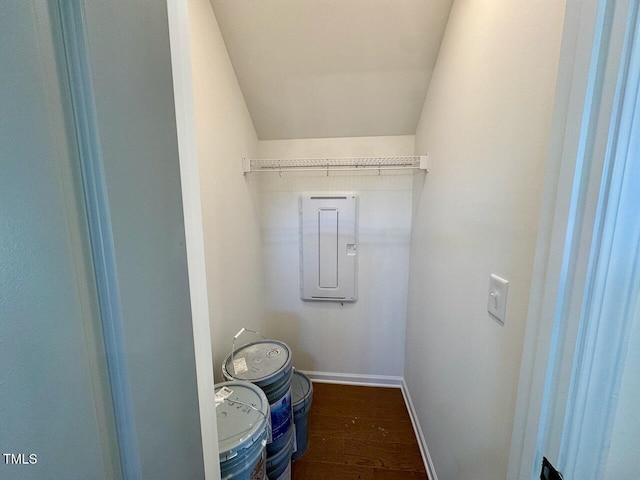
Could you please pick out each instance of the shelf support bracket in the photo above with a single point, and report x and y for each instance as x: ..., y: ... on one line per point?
x: 424, y: 162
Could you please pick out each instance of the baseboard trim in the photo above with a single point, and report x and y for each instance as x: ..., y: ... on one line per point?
x: 355, y: 379
x: 422, y: 443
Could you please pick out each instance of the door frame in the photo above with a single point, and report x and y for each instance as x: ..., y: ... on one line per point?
x: 585, y: 95
x: 179, y: 38
x: 593, y: 71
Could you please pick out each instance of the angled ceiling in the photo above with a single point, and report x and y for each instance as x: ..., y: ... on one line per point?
x: 333, y: 68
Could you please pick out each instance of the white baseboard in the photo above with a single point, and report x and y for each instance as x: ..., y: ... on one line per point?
x: 382, y: 381
x: 355, y: 379
x: 422, y: 443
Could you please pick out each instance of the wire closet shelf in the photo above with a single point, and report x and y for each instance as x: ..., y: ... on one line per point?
x: 340, y: 164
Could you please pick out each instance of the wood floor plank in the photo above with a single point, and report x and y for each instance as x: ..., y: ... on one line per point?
x: 359, y: 433
x: 385, y: 474
x: 325, y: 471
x: 324, y: 449
x: 357, y: 407
x: 379, y: 394
x: 394, y: 431
x: 392, y: 456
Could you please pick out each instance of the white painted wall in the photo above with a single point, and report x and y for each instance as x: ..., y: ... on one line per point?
x: 366, y: 337
x: 180, y: 41
x: 54, y: 391
x: 225, y: 134
x: 485, y: 123
x: 623, y: 460
x: 131, y: 69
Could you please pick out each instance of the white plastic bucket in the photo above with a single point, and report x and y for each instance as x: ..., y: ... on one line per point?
x: 302, y: 397
x: 242, y: 413
x: 279, y: 464
x: 267, y: 364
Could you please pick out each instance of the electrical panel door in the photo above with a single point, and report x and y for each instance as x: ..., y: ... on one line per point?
x: 329, y: 247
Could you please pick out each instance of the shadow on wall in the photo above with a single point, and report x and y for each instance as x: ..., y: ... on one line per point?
x: 288, y: 328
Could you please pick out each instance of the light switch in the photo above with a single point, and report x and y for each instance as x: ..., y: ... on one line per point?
x: 497, y: 305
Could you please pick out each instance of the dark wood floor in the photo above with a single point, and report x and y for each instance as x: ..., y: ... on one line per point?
x: 359, y: 433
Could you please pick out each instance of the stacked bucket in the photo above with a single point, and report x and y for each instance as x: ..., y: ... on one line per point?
x: 267, y: 364
x: 242, y: 412
x: 302, y: 392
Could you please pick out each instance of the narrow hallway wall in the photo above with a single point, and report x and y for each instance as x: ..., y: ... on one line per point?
x: 485, y: 123
x: 225, y: 134
x: 131, y: 69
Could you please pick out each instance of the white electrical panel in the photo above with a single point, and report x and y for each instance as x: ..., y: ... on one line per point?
x: 329, y: 247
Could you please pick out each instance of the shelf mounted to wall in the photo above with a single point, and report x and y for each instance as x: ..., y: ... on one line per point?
x: 340, y: 164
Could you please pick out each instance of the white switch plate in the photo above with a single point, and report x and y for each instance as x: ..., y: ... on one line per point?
x: 497, y: 304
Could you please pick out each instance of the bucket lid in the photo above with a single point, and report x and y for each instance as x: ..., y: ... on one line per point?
x: 239, y: 426
x: 260, y: 362
x: 301, y: 388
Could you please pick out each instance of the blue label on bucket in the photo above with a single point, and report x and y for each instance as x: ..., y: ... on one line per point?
x: 281, y: 416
